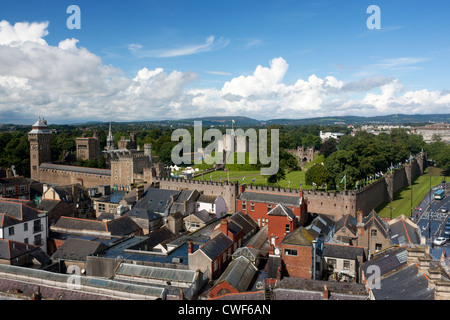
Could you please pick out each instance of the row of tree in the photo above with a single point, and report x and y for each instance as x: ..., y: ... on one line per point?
x: 363, y: 156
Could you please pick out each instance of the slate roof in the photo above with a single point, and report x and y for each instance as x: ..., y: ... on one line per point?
x: 47, y: 204
x: 343, y: 251
x: 117, y: 227
x: 348, y: 221
x: 78, y: 249
x: 154, y: 204
x: 387, y: 260
x: 273, y: 264
x: 300, y: 237
x: 308, y: 289
x: 15, y: 212
x: 216, y: 246
x: 10, y: 249
x: 281, y: 210
x: 204, y: 216
x: 244, y: 221
x: 207, y: 198
x: 267, y: 197
x: 373, y: 220
x: 185, y: 195
x: 403, y: 232
x: 51, y: 166
x: 404, y: 284
x: 14, y: 181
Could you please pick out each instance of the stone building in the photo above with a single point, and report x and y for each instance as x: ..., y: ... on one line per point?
x: 40, y: 138
x: 127, y: 166
x: 304, y: 154
x: 88, y: 148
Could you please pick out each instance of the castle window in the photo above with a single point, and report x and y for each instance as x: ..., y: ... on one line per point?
x: 244, y: 205
x: 373, y: 232
x: 252, y: 207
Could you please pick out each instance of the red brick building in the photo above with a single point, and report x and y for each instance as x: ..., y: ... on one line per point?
x: 258, y: 203
x: 281, y: 221
x: 296, y: 252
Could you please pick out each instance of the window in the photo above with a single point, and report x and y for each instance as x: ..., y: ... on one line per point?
x: 38, y: 240
x: 378, y: 246
x: 244, y: 206
x: 25, y: 240
x: 346, y: 265
x: 332, y: 263
x: 373, y: 232
x: 195, y: 225
x: 252, y: 207
x: 11, y: 231
x: 290, y: 252
x: 287, y: 228
x: 25, y: 226
x: 37, y: 226
x: 269, y: 207
x: 101, y: 207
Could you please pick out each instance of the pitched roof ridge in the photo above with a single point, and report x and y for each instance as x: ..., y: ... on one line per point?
x: 406, y: 231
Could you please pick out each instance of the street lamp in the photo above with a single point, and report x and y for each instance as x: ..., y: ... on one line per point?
x: 391, y: 210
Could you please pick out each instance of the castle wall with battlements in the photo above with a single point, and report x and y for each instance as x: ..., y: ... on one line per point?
x: 335, y: 204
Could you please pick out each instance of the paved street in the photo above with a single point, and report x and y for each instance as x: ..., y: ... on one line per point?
x: 432, y: 222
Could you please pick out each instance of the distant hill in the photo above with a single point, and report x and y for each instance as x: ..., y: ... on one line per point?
x: 240, y: 121
x: 395, y: 119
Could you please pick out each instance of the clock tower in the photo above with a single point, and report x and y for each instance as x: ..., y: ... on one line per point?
x: 39, y: 137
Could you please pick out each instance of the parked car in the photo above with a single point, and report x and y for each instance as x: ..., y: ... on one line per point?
x: 440, y: 241
x: 444, y: 209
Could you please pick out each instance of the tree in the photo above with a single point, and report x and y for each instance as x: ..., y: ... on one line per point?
x: 317, y: 174
x: 328, y: 147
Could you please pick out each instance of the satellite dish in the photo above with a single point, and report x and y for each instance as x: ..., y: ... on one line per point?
x: 259, y: 285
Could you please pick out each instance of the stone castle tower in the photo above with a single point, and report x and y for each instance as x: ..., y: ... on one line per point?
x: 40, y: 138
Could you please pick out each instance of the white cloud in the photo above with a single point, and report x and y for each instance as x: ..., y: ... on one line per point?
x: 210, y: 44
x: 69, y: 83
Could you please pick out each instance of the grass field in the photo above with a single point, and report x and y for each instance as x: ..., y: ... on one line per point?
x: 402, y: 198
x: 292, y: 179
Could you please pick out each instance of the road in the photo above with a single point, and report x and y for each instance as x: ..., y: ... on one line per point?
x: 432, y: 222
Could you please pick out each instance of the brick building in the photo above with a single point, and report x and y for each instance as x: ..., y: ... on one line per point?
x: 281, y: 221
x: 297, y: 254
x: 258, y: 203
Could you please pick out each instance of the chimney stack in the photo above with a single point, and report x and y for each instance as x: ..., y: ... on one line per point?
x: 326, y: 293
x: 190, y: 247
x: 224, y: 226
x: 360, y: 223
x: 139, y: 192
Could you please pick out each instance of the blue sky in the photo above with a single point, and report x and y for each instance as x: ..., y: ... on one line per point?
x: 314, y: 58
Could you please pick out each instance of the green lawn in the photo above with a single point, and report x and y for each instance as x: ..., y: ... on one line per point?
x: 402, y: 198
x: 292, y: 179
